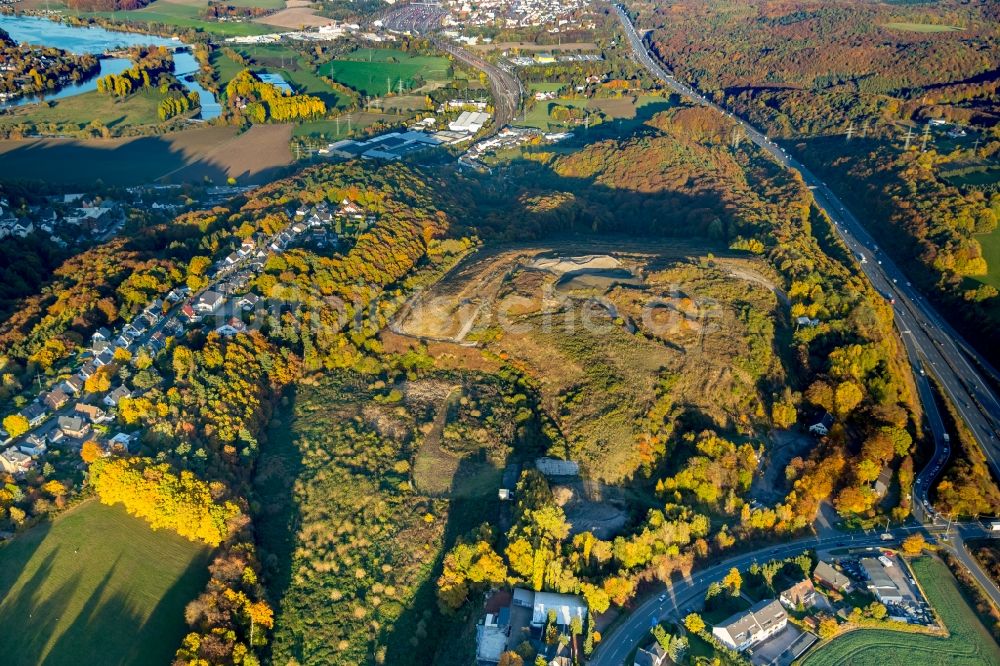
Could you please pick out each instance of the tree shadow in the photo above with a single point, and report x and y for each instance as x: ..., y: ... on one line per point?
x: 276, y: 514
x: 438, y: 630
x: 84, y: 163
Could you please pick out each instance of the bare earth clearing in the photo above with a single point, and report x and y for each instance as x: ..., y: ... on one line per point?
x: 295, y: 17
x: 609, y: 328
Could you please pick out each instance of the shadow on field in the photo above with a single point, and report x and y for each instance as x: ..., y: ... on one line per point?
x: 276, y: 515
x: 74, y: 162
x: 422, y: 619
x: 134, y: 640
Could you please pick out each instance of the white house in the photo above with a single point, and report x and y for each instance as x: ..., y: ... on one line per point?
x: 565, y: 606
x: 742, y: 631
x: 208, y: 302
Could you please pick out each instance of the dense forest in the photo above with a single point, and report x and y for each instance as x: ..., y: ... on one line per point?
x: 872, y: 75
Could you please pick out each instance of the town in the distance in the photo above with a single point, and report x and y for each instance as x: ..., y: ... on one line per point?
x: 499, y: 333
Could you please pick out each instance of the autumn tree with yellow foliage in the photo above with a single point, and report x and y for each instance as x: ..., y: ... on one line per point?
x: 182, y: 503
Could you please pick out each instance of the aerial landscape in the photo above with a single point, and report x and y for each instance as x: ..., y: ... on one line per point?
x: 509, y: 333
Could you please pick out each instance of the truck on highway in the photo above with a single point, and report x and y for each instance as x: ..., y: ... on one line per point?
x: 947, y: 438
x: 994, y: 526
x: 886, y: 536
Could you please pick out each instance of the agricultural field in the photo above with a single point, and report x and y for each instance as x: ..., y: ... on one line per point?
x: 216, y: 153
x: 969, y: 642
x: 546, y: 86
x: 991, y: 251
x: 78, y: 111
x: 374, y: 71
x: 347, y: 125
x: 185, y: 15
x: 615, y: 108
x: 569, y: 313
x: 225, y: 68
x: 294, y: 18
x: 96, y: 586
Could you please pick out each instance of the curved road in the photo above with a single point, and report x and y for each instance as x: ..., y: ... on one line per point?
x: 925, y: 334
x: 685, y: 595
x: 932, y: 347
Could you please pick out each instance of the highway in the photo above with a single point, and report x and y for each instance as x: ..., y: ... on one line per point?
x: 932, y: 347
x: 925, y: 334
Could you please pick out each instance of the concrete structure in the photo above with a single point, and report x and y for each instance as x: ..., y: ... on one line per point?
x: 469, y: 122
x: 565, y: 606
x: 742, y: 631
x: 879, y: 582
x: 491, y: 636
x: 556, y: 467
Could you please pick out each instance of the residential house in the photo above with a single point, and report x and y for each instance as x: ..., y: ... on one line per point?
x: 492, y: 635
x: 101, y: 335
x: 232, y: 327
x: 104, y: 358
x: 822, y: 427
x: 121, y: 441
x: 350, y: 209
x: 248, y: 302
x: 883, y: 481
x: 88, y: 369
x: 34, y: 446
x: 155, y: 309
x: 114, y: 397
x: 742, y: 631
x: 157, y: 342
x: 565, y: 606
x: 93, y: 413
x: 14, y: 462
x: 74, y: 426
x: 654, y: 655
x: 828, y: 577
x: 189, y: 315
x: 55, y: 399
x: 208, y: 302
x: 35, y: 413
x: 801, y: 594
x: 73, y: 384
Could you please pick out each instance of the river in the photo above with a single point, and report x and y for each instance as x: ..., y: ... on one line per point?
x: 97, y: 40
